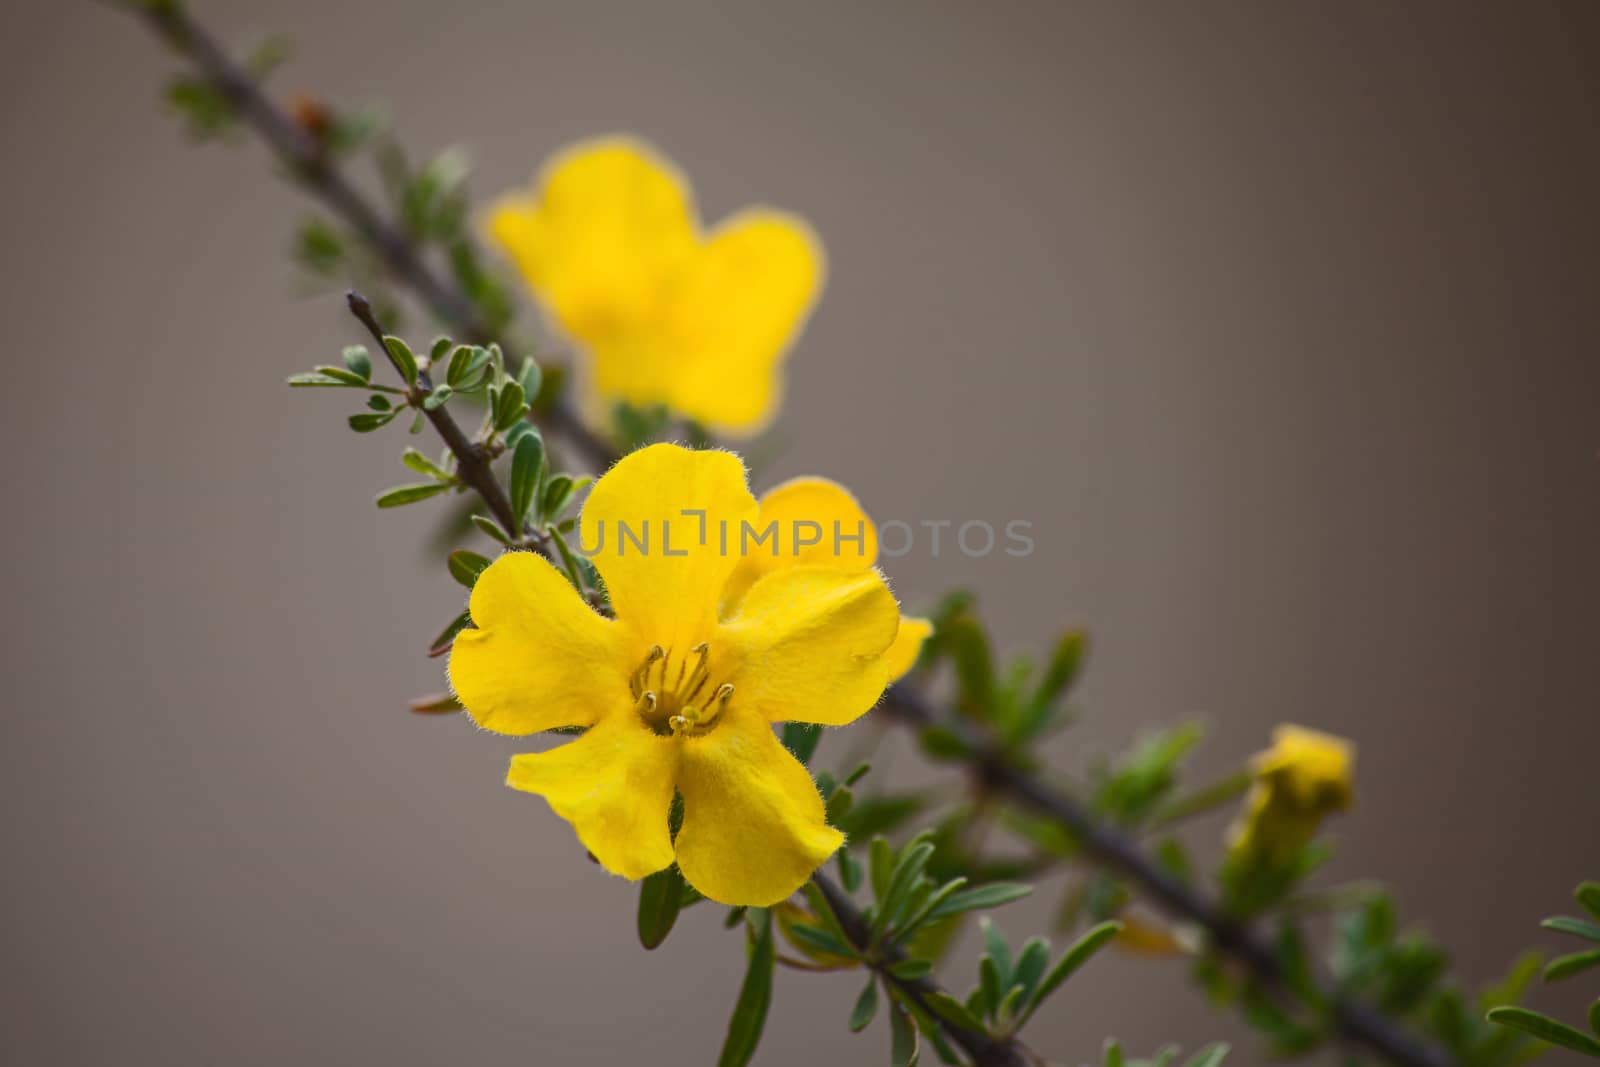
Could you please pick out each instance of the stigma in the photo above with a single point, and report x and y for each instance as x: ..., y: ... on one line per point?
x: 676, y: 696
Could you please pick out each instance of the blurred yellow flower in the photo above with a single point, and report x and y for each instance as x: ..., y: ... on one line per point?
x: 1304, y: 777
x: 822, y: 525
x: 677, y: 692
x: 611, y: 245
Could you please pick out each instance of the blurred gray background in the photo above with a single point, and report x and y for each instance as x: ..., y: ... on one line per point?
x: 1277, y: 320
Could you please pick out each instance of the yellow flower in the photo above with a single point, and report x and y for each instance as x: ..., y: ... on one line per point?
x: 611, y: 244
x: 676, y: 692
x: 1302, y: 779
x: 816, y: 522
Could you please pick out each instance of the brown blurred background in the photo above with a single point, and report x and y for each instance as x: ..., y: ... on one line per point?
x: 1277, y: 320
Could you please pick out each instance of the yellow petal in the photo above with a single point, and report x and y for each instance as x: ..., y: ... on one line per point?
x: 540, y: 658
x: 614, y: 785
x: 808, y: 644
x: 605, y: 238
x: 753, y: 823
x: 902, y: 655
x: 806, y: 520
x: 665, y: 569
x: 742, y: 302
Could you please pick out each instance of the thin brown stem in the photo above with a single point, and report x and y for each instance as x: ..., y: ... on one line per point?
x: 1112, y: 849
x: 304, y: 159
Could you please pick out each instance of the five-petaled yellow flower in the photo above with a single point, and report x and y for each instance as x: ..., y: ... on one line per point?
x: 710, y: 646
x: 611, y: 245
x: 1304, y: 777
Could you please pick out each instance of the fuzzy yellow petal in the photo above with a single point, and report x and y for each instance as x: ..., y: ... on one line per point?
x: 742, y: 303
x: 665, y: 569
x: 614, y: 785
x: 902, y: 655
x: 604, y: 239
x: 813, y: 521
x: 540, y: 658
x: 753, y: 823
x: 808, y: 644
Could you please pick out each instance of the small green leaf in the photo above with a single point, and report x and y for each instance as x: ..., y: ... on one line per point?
x: 509, y: 407
x: 569, y: 562
x: 492, y: 528
x: 994, y: 942
x: 801, y: 738
x: 1567, y: 925
x: 903, y: 1041
x: 440, y: 346
x: 367, y: 421
x: 1076, y: 955
x: 952, y: 1011
x: 1567, y: 966
x: 437, y: 398
x: 422, y: 464
x: 1031, y: 964
x: 984, y: 896
x: 378, y: 402
x: 880, y: 862
x: 908, y: 867
x: 866, y: 1007
x: 465, y: 566
x: 660, y: 898
x: 989, y: 982
x: 1544, y: 1028
x: 1210, y: 1056
x: 360, y: 364
x: 1066, y: 660
x: 1112, y: 1056
x: 316, y: 379
x: 348, y: 377
x: 819, y: 940
x: 755, y: 996
x: 404, y: 361
x: 447, y: 636
x: 849, y: 871
x: 1588, y: 894
x: 527, y: 467
x: 530, y: 379
x: 1594, y: 1016
x: 465, y: 364
x: 911, y: 970
x: 410, y: 494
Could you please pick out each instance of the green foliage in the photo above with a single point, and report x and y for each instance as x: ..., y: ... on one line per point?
x: 1543, y: 1027
x: 1210, y: 1056
x: 755, y: 995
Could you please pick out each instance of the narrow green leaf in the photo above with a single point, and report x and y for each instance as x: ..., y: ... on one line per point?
x: 824, y: 911
x: 994, y: 942
x: 447, y: 636
x: 315, y: 379
x: 856, y: 775
x: 904, y: 1046
x: 984, y: 896
x: 437, y: 398
x: 1544, y: 1028
x: 527, y: 467
x: 378, y: 402
x: 422, y: 464
x: 1588, y: 894
x: 1031, y: 964
x: 1210, y: 1056
x: 989, y: 982
x: 410, y: 494
x: 880, y: 864
x: 465, y: 364
x: 1566, y: 924
x: 1076, y: 955
x: 556, y: 492
x: 801, y: 738
x: 404, y: 361
x: 530, y: 379
x: 1112, y: 1056
x: 509, y: 407
x: 367, y: 421
x: 465, y: 566
x: 911, y: 970
x: 866, y: 1006
x: 360, y: 364
x: 908, y: 868
x: 820, y: 940
x: 436, y: 351
x: 1567, y: 966
x: 660, y: 898
x: 1594, y: 1016
x: 953, y: 1011
x: 492, y: 528
x: 1066, y: 659
x: 919, y: 916
x: 849, y: 871
x: 348, y: 377
x: 755, y: 996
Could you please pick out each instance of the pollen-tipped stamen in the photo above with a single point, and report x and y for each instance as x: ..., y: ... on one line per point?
x: 673, y: 711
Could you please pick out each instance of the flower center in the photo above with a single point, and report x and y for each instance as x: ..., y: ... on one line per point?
x: 678, y: 698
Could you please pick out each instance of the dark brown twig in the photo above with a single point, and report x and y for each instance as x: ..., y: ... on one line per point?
x: 1114, y: 850
x: 985, y: 1051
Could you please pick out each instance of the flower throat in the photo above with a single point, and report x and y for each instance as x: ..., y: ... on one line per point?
x: 678, y: 701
